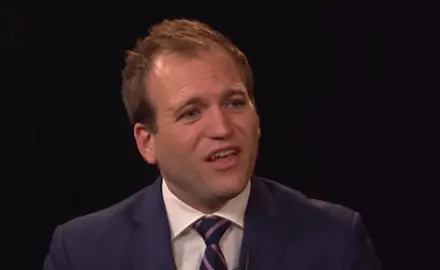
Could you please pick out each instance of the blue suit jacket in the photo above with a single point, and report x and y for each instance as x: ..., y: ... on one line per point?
x: 283, y: 230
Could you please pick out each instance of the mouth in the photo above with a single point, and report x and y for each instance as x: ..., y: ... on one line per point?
x: 224, y: 158
x: 223, y: 153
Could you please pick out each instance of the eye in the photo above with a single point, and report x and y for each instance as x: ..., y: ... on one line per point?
x: 236, y: 103
x: 189, y: 114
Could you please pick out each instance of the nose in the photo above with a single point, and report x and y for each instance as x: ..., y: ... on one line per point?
x: 219, y: 124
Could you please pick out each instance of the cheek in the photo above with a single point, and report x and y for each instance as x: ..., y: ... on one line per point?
x: 178, y: 145
x: 251, y: 126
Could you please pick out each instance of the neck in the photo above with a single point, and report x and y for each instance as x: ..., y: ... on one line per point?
x: 206, y: 206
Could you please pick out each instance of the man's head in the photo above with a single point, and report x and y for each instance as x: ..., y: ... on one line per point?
x: 188, y: 92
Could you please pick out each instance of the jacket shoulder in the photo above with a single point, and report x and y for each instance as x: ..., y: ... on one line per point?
x: 294, y: 204
x: 116, y: 214
x: 105, y: 230
x: 331, y: 232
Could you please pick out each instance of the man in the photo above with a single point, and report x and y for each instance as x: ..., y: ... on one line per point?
x: 189, y: 94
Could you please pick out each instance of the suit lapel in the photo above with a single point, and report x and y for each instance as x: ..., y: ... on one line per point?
x: 264, y: 238
x: 150, y: 241
x: 263, y: 241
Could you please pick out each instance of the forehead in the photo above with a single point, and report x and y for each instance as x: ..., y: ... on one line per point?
x: 175, y: 76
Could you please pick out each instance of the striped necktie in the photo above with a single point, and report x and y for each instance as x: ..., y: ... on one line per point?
x: 211, y: 229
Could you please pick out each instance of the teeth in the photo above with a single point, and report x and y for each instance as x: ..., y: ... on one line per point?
x: 222, y: 154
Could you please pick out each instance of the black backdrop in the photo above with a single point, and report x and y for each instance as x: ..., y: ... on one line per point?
x: 320, y: 89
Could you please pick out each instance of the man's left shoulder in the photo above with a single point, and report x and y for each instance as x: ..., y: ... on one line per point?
x: 294, y: 204
x: 329, y: 231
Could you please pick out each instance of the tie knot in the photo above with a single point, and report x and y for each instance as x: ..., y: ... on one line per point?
x: 211, y: 228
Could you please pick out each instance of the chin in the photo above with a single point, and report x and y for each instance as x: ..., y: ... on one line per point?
x: 226, y: 195
x: 230, y: 187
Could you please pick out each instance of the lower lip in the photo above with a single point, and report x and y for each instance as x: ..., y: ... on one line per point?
x: 225, y: 163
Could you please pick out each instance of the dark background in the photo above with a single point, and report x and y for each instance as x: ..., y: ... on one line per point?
x: 330, y: 120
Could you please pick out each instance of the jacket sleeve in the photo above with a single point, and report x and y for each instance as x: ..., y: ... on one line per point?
x: 57, y: 258
x: 360, y: 253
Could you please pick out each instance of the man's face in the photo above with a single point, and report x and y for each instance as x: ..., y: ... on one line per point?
x: 208, y: 128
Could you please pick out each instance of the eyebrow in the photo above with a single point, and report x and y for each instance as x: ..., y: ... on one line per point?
x: 234, y: 92
x: 198, y: 101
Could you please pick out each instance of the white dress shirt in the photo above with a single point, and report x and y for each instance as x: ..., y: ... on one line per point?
x: 188, y: 245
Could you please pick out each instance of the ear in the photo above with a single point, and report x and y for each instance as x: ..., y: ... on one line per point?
x: 258, y: 127
x: 145, y: 143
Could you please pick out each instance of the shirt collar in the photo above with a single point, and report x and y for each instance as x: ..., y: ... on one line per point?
x: 181, y: 215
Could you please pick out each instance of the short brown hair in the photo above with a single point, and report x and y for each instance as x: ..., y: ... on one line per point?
x: 180, y: 36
